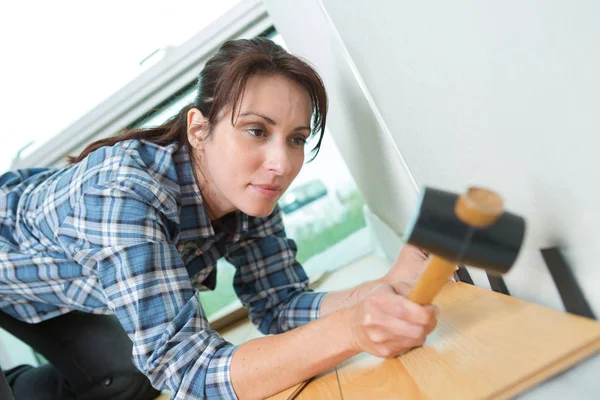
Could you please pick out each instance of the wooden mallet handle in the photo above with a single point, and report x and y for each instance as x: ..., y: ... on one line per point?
x: 477, y: 208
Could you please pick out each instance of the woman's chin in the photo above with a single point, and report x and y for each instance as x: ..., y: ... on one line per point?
x: 259, y: 209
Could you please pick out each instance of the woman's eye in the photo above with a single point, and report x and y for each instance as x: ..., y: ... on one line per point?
x: 256, y: 132
x: 300, y: 141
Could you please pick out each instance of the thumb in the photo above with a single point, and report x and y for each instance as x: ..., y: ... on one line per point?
x: 402, y: 288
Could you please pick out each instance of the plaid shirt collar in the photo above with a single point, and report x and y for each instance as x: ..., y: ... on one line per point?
x: 193, y: 217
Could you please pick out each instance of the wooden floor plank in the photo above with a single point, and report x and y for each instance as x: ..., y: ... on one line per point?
x: 554, y: 369
x: 378, y: 378
x: 323, y: 386
x: 486, y: 346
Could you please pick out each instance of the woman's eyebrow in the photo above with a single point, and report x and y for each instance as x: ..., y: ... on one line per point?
x: 270, y: 120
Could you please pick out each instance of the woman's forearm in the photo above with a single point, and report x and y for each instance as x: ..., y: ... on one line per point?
x: 265, y: 366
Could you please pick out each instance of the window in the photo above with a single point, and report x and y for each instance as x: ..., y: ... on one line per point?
x: 79, y: 71
x: 301, y: 196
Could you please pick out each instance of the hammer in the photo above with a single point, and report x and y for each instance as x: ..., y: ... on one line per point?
x: 471, y: 229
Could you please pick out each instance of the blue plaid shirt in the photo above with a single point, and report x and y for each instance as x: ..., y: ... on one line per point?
x: 125, y: 232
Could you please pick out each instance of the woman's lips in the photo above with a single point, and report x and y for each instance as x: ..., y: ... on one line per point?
x: 269, y: 191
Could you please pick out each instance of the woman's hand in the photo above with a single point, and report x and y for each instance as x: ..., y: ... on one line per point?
x: 407, y: 268
x: 386, y: 324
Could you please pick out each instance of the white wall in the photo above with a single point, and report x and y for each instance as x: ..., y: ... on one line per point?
x: 501, y: 94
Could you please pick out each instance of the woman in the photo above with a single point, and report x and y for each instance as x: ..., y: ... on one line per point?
x: 103, y: 260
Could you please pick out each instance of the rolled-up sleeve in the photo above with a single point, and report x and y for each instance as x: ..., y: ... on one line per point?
x: 269, y: 280
x: 122, y: 237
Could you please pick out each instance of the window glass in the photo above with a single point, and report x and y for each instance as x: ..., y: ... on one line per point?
x: 322, y: 211
x: 67, y: 57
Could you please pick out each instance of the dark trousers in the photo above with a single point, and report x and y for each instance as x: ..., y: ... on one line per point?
x: 89, y: 359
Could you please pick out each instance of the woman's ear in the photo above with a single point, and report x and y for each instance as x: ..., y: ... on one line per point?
x: 197, y: 128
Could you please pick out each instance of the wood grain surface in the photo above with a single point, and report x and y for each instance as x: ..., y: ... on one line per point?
x: 486, y: 346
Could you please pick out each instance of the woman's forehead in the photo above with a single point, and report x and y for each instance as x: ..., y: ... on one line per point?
x: 274, y: 92
x: 269, y: 96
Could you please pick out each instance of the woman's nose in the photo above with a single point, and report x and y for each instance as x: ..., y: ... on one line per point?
x: 278, y: 158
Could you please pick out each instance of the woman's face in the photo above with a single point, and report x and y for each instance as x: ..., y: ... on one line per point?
x: 249, y: 165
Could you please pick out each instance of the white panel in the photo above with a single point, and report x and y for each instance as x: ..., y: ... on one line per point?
x: 502, y: 94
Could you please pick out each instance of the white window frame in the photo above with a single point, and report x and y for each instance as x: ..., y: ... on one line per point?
x: 178, y: 69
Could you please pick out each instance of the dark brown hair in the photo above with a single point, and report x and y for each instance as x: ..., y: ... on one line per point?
x: 221, y: 84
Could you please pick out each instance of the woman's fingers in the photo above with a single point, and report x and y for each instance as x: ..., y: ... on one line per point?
x: 398, y: 306
x: 402, y: 288
x: 392, y: 336
x: 385, y: 307
x: 386, y: 324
